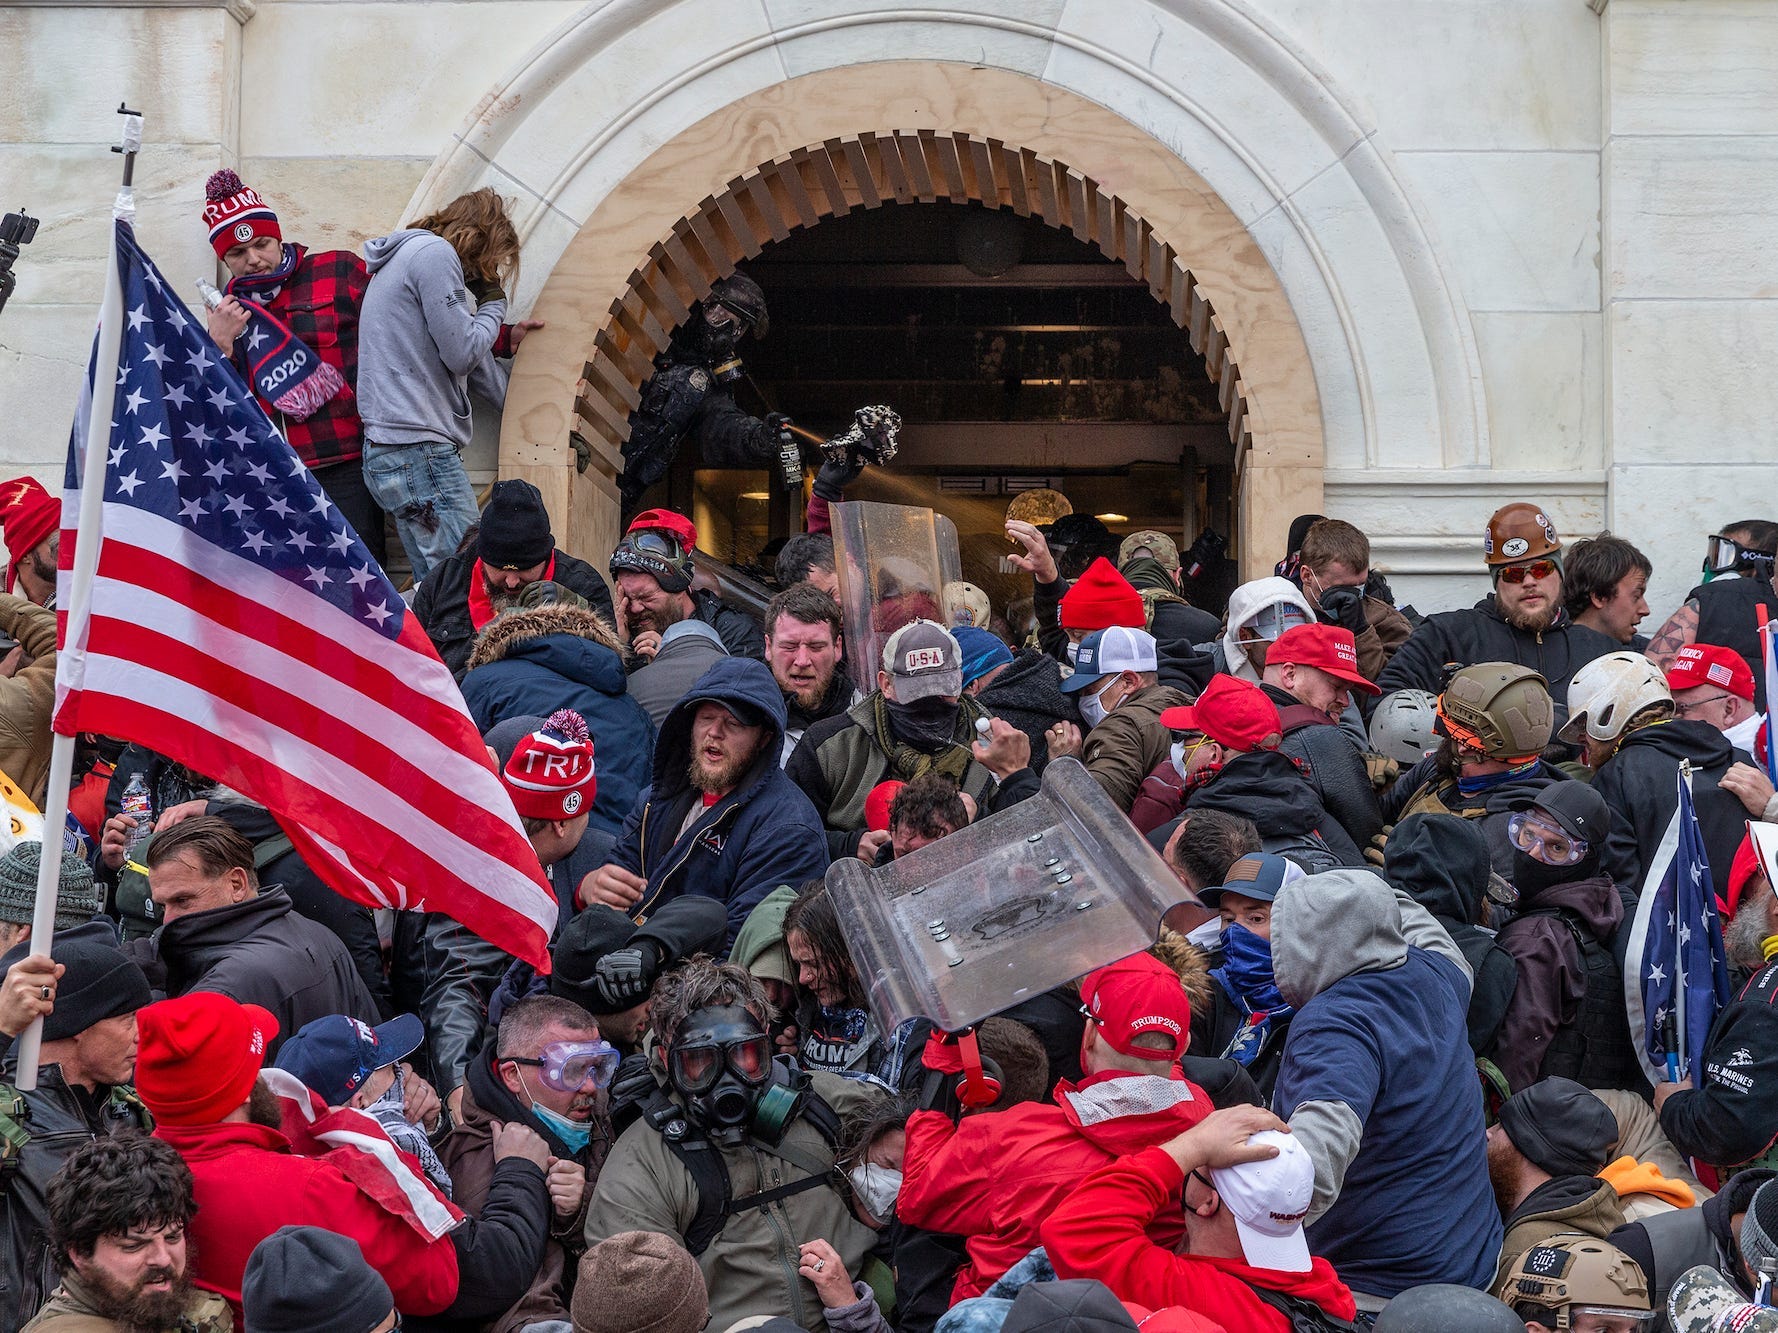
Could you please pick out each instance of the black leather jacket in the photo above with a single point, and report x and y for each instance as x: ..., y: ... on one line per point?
x: 56, y: 1119
x: 447, y: 974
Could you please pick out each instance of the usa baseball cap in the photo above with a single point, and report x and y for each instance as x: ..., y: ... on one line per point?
x: 1106, y: 652
x: 1326, y: 648
x: 1269, y: 1200
x: 1257, y: 875
x: 923, y: 659
x: 336, y: 1054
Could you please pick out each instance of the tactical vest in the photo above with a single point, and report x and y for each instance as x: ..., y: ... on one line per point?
x: 1153, y: 597
x: 1595, y: 1049
x: 122, y: 1110
x: 1726, y: 617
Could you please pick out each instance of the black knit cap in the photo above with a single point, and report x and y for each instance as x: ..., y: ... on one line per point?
x: 1560, y: 1127
x: 97, y: 983
x: 1079, y: 1305
x: 515, y: 527
x: 307, y: 1280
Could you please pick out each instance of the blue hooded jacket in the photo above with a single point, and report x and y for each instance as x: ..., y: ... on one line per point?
x: 530, y: 663
x: 762, y: 834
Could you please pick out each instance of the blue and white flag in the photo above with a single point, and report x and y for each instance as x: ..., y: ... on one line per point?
x: 1676, y: 979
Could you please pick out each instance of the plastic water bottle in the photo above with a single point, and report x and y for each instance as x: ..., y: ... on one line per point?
x: 139, y: 806
x: 212, y: 297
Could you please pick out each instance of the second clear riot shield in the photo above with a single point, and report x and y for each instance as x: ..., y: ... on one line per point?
x: 893, y: 562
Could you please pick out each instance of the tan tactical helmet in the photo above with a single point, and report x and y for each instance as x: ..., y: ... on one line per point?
x: 1571, y: 1274
x: 1519, y: 532
x: 1500, y: 708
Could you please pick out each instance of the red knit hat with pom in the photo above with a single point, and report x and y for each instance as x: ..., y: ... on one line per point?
x: 236, y: 214
x: 1101, y: 598
x: 551, y: 773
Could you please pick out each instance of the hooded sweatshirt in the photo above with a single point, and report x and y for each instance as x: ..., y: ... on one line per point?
x: 1246, y: 602
x: 1099, y: 1232
x: 1266, y: 787
x: 1379, y: 1085
x: 1441, y: 862
x: 1640, y: 784
x: 1585, y: 1204
x: 993, y: 1178
x: 419, y: 345
x: 762, y: 834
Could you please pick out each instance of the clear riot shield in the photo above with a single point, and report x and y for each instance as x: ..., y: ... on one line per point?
x: 1015, y: 905
x: 893, y: 562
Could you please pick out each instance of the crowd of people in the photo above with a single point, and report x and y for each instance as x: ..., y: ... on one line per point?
x: 1376, y: 1070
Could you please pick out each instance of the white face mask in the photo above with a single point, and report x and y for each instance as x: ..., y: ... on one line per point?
x: 1744, y: 732
x: 1092, y: 706
x: 877, y: 1188
x: 1177, y: 756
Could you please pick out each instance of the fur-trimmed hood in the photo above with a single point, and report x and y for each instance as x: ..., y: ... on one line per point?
x: 506, y: 632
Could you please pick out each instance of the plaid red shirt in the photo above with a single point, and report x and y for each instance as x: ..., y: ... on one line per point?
x: 320, y: 303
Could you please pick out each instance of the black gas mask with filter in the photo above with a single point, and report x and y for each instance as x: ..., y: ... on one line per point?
x: 721, y: 1065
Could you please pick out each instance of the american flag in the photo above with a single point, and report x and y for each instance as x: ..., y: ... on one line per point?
x: 1768, y: 646
x: 237, y: 625
x: 1676, y: 976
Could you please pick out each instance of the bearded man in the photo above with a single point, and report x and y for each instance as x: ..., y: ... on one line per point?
x: 805, y: 650
x: 1522, y: 621
x: 720, y: 818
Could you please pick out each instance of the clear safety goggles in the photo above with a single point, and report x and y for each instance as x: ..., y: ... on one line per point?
x: 1538, y: 838
x: 567, y: 1065
x: 1615, y: 1318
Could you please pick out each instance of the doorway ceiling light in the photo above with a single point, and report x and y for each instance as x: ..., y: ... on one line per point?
x: 1112, y: 518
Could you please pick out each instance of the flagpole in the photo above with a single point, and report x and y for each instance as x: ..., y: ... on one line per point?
x: 103, y: 398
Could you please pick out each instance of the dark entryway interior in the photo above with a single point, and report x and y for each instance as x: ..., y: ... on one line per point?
x: 1017, y: 356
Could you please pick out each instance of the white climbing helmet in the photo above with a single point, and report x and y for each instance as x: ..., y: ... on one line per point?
x: 1402, y: 726
x: 1609, y: 691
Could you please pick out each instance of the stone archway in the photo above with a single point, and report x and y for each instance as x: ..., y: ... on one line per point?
x: 866, y: 171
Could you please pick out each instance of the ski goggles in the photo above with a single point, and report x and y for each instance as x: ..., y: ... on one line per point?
x: 1532, y: 569
x: 567, y: 1065
x: 698, y: 1067
x: 1539, y: 838
x: 1725, y: 555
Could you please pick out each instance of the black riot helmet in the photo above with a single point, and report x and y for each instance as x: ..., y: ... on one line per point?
x: 743, y: 297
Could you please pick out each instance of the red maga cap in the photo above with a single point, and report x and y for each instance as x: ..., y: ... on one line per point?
x: 1135, y: 995
x: 1326, y: 648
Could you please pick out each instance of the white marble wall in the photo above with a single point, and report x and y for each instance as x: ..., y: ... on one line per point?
x: 1690, y: 186
x: 1529, y: 243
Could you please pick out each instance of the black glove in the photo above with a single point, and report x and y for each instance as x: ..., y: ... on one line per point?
x: 832, y: 478
x: 485, y: 290
x: 624, y: 977
x: 1344, y: 607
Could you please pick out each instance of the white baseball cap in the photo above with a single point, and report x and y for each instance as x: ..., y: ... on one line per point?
x: 1107, y: 652
x: 1268, y: 1200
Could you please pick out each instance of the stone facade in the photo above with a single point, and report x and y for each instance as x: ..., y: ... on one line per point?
x: 1462, y: 253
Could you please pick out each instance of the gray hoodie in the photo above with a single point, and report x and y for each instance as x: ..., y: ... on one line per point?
x: 420, y: 347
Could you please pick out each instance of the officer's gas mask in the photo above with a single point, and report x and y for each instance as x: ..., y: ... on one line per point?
x: 724, y: 325
x: 721, y: 1066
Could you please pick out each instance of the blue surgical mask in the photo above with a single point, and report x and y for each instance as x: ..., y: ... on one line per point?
x: 574, y: 1134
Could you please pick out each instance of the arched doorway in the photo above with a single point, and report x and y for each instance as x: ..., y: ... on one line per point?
x: 764, y: 209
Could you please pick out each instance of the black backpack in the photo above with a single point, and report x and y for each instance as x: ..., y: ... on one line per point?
x: 1595, y: 1049
x: 636, y: 1093
x: 1305, y: 1316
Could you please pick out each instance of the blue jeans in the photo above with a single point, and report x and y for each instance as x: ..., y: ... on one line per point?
x: 424, y: 488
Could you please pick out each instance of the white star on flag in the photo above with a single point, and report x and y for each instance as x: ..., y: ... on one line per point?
x: 135, y: 402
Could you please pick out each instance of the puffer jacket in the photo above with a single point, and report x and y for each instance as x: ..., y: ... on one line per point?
x: 1481, y: 634
x: 994, y: 1178
x: 1441, y: 862
x: 751, y: 1265
x: 1326, y: 756
x: 762, y: 834
x: 530, y: 663
x: 258, y: 951
x: 58, y: 1119
x: 442, y: 602
x: 1029, y: 695
x: 1427, y: 789
x: 1121, y: 750
x: 1552, y: 978
x: 468, y: 1154
x: 1641, y: 785
x: 1269, y: 789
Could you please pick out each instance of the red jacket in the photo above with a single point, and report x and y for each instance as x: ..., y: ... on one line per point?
x: 1098, y: 1232
x: 994, y: 1177
x: 249, y: 1183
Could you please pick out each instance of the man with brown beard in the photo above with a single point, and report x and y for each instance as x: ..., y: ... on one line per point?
x: 1521, y: 621
x: 721, y: 819
x: 118, y: 1210
x: 806, y: 651
x: 652, y: 571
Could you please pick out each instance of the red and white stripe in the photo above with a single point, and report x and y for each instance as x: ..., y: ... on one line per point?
x: 360, y: 746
